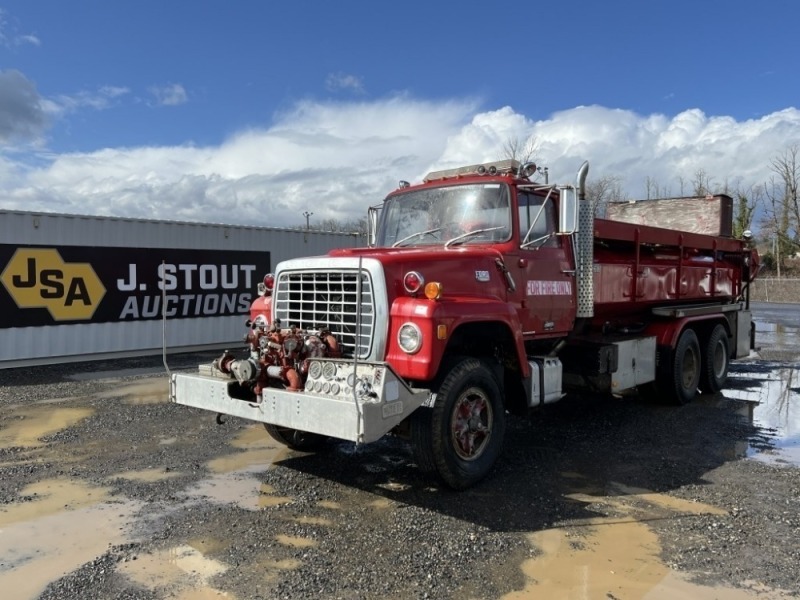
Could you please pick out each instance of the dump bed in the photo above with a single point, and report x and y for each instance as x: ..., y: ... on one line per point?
x: 638, y: 266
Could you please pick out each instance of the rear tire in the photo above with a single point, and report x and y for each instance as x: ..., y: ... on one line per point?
x: 686, y: 368
x: 294, y: 438
x: 677, y: 384
x: 467, y: 425
x: 716, y: 360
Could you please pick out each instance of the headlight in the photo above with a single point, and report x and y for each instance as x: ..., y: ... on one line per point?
x: 409, y: 338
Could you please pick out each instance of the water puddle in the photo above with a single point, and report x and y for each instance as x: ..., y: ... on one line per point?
x: 256, y: 449
x: 774, y: 397
x: 241, y: 488
x: 235, y: 475
x: 778, y: 335
x: 146, y: 391
x: 49, y: 497
x: 184, y: 571
x: 30, y: 424
x: 381, y: 503
x: 59, y: 526
x: 294, y: 541
x: 613, y: 556
x: 146, y: 475
x: 313, y: 521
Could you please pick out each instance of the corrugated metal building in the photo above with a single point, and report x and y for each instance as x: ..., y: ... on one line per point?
x: 78, y: 287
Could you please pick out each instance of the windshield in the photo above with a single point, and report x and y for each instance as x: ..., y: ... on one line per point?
x: 457, y: 214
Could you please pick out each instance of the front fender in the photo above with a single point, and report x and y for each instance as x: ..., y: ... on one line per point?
x: 437, y: 321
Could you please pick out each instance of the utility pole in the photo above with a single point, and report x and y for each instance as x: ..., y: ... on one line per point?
x: 307, y: 215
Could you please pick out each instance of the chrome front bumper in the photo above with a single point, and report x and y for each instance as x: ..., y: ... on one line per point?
x: 361, y: 413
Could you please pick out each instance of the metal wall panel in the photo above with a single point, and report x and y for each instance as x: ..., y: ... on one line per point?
x: 45, y: 228
x: 82, y: 341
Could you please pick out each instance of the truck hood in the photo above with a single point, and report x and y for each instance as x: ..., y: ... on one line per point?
x: 462, y: 270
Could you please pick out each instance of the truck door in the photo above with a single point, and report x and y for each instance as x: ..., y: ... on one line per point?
x: 545, y: 269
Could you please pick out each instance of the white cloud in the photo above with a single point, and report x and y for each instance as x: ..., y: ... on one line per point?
x: 342, y: 81
x: 171, y: 94
x: 336, y: 159
x: 636, y: 147
x: 25, y: 115
x: 100, y: 99
x: 10, y: 37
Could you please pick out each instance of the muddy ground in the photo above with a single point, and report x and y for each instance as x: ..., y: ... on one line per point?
x: 107, y: 491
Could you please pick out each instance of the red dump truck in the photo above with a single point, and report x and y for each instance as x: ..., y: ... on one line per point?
x: 482, y: 293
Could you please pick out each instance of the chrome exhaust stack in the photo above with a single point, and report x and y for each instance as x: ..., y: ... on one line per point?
x: 585, y: 246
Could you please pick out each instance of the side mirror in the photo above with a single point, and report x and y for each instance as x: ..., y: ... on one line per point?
x: 572, y: 200
x: 567, y: 211
x: 372, y: 225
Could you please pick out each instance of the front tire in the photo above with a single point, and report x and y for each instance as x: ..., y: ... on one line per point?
x: 294, y: 438
x: 467, y: 424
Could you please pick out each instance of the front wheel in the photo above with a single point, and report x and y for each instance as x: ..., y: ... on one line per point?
x: 467, y: 424
x: 294, y: 438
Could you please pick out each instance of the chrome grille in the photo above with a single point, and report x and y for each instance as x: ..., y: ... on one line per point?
x: 328, y: 300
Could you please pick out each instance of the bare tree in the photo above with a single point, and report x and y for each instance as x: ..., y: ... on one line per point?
x: 354, y: 226
x: 682, y: 184
x: 524, y: 151
x: 604, y: 190
x: 702, y: 182
x: 746, y: 201
x: 651, y: 186
x: 776, y: 222
x: 787, y: 168
x: 782, y: 206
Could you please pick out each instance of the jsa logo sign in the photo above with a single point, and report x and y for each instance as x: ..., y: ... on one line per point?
x: 39, y: 278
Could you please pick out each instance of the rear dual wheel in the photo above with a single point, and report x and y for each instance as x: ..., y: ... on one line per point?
x: 679, y: 384
x: 694, y: 367
x: 716, y: 360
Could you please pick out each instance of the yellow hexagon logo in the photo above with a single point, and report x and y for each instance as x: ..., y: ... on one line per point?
x: 39, y: 278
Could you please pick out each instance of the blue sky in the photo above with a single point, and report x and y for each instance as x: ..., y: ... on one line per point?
x: 252, y: 112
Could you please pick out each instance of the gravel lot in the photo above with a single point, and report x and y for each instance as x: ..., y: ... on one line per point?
x: 107, y: 491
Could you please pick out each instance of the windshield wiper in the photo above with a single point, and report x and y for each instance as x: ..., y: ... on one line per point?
x: 463, y: 237
x: 418, y: 234
x: 540, y: 241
